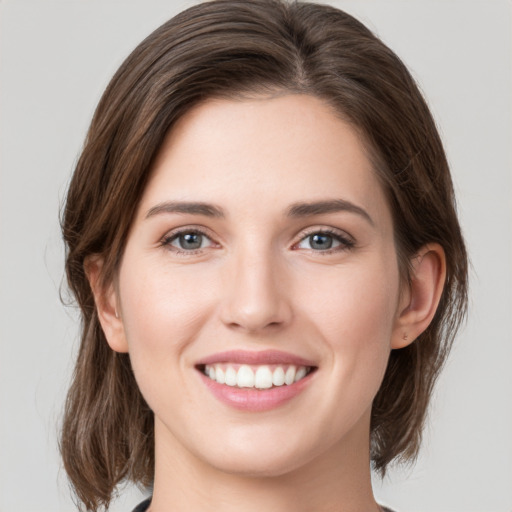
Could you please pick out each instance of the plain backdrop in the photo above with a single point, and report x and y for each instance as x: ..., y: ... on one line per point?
x: 56, y: 58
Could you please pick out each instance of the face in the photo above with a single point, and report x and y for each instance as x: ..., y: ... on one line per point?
x: 259, y: 290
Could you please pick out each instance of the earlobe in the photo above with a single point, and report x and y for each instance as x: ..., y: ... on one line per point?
x: 106, y: 300
x: 419, y: 304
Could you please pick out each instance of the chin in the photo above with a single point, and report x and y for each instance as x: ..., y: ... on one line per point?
x: 263, y: 467
x: 259, y: 460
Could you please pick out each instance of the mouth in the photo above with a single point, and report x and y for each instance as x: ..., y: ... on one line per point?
x: 255, y: 380
x: 260, y: 377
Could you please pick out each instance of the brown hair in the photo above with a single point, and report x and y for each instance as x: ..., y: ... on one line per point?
x: 229, y: 48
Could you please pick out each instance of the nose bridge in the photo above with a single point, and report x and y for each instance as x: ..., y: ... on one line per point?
x: 256, y: 296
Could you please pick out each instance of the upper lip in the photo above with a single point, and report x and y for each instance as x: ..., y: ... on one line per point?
x: 255, y: 357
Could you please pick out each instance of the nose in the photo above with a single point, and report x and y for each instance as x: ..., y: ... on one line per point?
x: 256, y: 298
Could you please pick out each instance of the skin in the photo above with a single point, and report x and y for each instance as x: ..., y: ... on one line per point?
x: 257, y: 283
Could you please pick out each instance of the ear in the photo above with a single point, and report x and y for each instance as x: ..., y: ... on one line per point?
x: 419, y: 301
x: 107, y: 305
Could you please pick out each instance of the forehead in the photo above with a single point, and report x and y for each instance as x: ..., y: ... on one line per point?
x: 278, y: 149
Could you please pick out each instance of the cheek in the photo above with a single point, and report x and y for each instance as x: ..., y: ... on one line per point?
x: 354, y: 311
x: 353, y: 314
x: 159, y: 303
x: 355, y: 300
x: 163, y: 312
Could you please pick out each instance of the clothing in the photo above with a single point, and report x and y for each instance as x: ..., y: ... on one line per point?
x: 142, y: 507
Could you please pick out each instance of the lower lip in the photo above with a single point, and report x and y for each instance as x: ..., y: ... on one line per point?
x: 254, y: 400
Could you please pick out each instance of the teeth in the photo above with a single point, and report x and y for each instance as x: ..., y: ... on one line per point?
x: 245, y: 377
x: 263, y: 378
x: 278, y: 377
x: 259, y: 377
x: 301, y: 373
x: 290, y: 376
x: 230, y: 376
x: 220, y: 376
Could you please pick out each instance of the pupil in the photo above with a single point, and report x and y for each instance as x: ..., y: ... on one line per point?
x: 319, y: 241
x: 191, y: 241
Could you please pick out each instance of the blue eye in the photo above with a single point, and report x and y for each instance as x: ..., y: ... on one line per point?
x: 186, y: 241
x: 321, y: 241
x: 325, y: 241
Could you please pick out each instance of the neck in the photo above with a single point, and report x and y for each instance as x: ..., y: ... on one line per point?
x: 333, y: 481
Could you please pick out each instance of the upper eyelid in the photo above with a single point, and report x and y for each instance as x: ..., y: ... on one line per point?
x: 346, y: 241
x: 188, y: 229
x: 325, y: 230
x: 303, y: 233
x: 166, y: 241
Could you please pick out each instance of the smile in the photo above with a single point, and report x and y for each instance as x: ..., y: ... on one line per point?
x: 256, y: 376
x: 256, y: 381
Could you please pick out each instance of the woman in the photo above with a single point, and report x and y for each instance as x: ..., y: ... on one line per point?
x: 262, y: 238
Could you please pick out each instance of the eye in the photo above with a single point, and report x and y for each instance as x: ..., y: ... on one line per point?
x: 325, y: 241
x: 187, y: 241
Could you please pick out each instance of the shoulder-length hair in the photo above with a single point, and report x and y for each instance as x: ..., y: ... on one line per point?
x: 229, y: 49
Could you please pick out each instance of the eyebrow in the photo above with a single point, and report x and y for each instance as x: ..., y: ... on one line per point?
x: 194, y: 208
x: 296, y: 210
x: 329, y: 206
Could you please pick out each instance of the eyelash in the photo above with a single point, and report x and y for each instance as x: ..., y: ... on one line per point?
x: 346, y: 242
x: 171, y: 237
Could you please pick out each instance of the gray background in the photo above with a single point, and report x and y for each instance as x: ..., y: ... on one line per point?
x: 56, y: 58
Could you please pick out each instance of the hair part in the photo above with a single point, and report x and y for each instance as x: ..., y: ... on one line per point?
x: 233, y: 49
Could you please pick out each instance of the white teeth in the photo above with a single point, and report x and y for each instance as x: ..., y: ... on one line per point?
x: 278, y: 377
x: 263, y: 378
x: 259, y: 377
x: 220, y: 376
x: 230, y: 376
x: 245, y: 377
x: 290, y: 376
x: 301, y: 373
